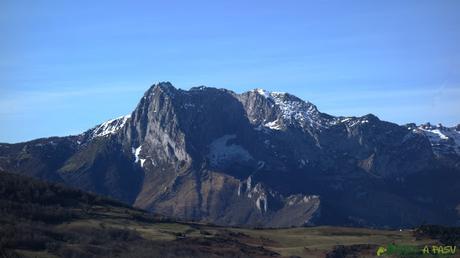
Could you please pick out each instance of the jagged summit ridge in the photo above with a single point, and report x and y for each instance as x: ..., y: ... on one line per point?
x: 444, y: 140
x: 293, y: 109
x: 289, y: 110
x: 258, y: 158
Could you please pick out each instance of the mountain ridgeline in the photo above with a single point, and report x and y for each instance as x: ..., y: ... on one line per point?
x: 260, y: 159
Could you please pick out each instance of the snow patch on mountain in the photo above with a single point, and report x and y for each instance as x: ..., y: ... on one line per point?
x: 354, y: 121
x: 274, y: 125
x: 263, y: 92
x: 443, y: 139
x: 295, y: 110
x: 136, y: 152
x: 435, y: 135
x: 109, y: 127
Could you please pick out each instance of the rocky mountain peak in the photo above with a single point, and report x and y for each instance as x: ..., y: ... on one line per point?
x: 164, y: 86
x: 258, y: 158
x: 291, y: 110
x: 163, y: 89
x: 281, y: 97
x: 444, y: 140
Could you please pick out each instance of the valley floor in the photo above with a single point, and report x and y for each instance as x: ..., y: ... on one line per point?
x: 126, y: 233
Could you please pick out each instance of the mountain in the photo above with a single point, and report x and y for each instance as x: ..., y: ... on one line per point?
x: 263, y: 159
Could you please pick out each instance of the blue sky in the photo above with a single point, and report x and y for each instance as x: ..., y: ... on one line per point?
x: 66, y: 66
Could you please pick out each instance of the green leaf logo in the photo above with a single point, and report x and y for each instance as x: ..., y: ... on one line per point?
x: 381, y: 251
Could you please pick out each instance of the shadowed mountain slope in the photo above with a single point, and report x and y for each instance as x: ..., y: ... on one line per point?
x: 258, y: 158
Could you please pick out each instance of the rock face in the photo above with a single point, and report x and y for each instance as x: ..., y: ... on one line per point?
x: 259, y: 158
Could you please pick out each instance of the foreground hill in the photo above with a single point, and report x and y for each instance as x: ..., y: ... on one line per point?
x: 46, y: 220
x: 38, y: 219
x: 259, y: 158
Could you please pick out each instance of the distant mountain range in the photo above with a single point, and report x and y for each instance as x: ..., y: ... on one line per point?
x: 259, y: 158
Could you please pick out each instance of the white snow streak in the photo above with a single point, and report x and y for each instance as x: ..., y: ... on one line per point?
x: 110, y: 127
x: 137, y: 157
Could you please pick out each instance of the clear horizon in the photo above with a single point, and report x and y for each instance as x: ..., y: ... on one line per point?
x: 67, y: 67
